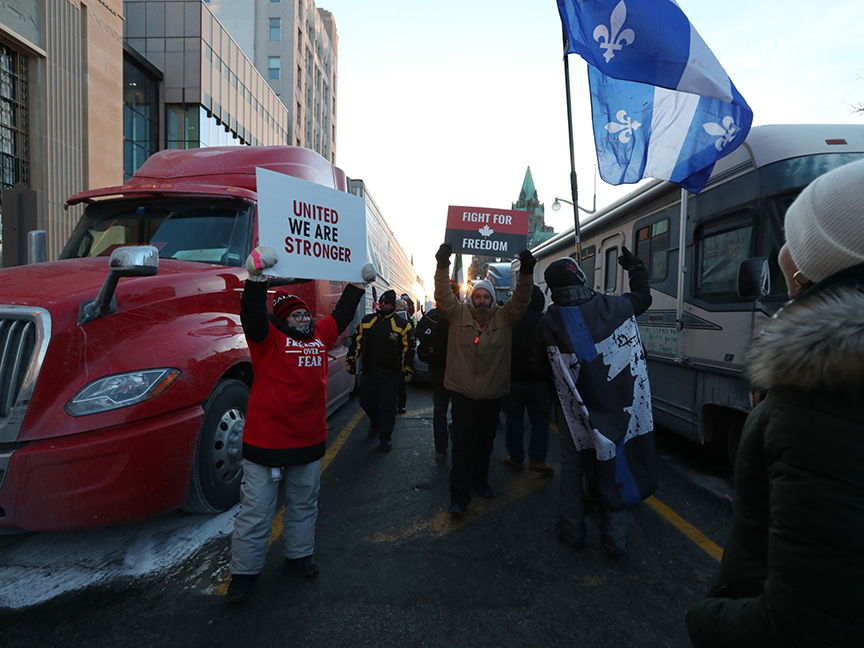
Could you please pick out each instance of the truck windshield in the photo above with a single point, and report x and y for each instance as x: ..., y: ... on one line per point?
x: 217, y: 232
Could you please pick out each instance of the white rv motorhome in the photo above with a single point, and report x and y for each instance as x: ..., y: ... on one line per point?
x: 698, y: 329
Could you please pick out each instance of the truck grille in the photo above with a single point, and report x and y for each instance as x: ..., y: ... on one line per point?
x: 24, y: 336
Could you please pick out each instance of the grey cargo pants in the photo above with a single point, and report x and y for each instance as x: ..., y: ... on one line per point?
x: 253, y: 526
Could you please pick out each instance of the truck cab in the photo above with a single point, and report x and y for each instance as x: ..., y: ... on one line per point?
x: 139, y: 409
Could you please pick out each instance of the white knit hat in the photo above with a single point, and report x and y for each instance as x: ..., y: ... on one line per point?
x: 825, y: 224
x: 486, y: 285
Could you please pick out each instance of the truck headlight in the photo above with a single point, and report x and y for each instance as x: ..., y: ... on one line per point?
x: 120, y: 390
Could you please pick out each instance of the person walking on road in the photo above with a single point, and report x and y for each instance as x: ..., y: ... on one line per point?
x: 286, y: 428
x: 477, y: 371
x: 530, y: 391
x: 384, y: 346
x: 591, y: 345
x: 792, y: 572
x: 434, y: 328
x: 402, y: 311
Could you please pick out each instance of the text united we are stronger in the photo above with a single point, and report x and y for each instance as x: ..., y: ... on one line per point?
x: 314, y: 233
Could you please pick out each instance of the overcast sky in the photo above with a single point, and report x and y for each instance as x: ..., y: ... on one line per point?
x: 448, y: 103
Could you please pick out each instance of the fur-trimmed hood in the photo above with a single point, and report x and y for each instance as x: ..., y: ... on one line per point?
x: 815, y: 342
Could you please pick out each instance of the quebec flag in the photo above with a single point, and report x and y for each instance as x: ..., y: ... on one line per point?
x: 662, y: 104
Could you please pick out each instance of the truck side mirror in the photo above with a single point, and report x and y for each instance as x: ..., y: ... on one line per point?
x: 754, y: 279
x: 132, y: 261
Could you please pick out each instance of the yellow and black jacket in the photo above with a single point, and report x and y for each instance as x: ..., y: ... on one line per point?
x: 385, y: 341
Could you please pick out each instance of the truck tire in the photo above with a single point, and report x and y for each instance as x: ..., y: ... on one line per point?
x: 217, y: 465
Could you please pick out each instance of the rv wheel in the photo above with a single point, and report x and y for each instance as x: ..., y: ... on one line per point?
x: 217, y: 465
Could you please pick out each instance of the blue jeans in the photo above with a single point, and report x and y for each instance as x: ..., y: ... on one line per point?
x: 535, y: 397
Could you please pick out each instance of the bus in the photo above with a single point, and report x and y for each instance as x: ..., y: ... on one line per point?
x: 698, y: 330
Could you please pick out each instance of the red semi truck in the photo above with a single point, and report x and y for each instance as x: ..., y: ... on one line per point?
x: 124, y: 372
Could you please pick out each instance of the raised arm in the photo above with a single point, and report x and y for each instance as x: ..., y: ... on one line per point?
x: 445, y: 300
x: 515, y: 307
x: 640, y: 291
x: 253, y: 303
x: 345, y: 308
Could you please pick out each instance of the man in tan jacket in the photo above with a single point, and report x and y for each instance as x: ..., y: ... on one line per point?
x: 478, y: 370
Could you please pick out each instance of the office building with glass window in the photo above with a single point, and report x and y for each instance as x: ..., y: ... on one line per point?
x: 294, y: 46
x: 61, y: 114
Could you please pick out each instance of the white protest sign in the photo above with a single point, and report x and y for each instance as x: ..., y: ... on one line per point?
x: 317, y: 232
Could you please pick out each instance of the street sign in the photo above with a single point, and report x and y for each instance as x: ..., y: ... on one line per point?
x: 487, y: 231
x: 317, y: 232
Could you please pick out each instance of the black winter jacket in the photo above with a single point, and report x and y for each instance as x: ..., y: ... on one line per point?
x: 386, y: 343
x: 792, y: 573
x: 523, y: 340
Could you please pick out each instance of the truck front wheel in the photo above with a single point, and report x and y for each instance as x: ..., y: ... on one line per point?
x: 217, y: 465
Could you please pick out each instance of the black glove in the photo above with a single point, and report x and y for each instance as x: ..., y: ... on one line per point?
x: 443, y: 255
x: 527, y: 261
x: 628, y: 260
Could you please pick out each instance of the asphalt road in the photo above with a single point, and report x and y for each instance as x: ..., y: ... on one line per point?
x: 396, y: 571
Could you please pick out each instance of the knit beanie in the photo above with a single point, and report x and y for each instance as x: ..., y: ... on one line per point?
x: 564, y: 272
x: 485, y: 285
x: 825, y: 224
x: 388, y: 297
x: 285, y: 304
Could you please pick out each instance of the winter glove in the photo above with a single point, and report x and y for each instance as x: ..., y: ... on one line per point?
x: 261, y: 259
x: 443, y: 255
x: 351, y: 367
x: 369, y: 273
x: 527, y: 261
x: 408, y: 373
x: 628, y: 260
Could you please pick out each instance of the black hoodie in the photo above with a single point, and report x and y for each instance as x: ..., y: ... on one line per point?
x: 523, y: 339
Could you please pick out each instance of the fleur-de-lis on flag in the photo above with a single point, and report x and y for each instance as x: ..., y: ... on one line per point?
x: 726, y: 132
x: 619, y: 38
x: 486, y: 231
x: 625, y: 128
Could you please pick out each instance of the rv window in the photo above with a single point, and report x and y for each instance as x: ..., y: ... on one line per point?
x: 652, y: 246
x: 720, y: 249
x: 589, y: 263
x: 611, y: 271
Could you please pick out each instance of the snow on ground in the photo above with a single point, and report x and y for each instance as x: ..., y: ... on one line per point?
x: 40, y: 566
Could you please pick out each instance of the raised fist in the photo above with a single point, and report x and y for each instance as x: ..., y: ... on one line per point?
x: 628, y: 260
x: 527, y: 261
x: 369, y: 273
x: 261, y: 259
x: 443, y: 255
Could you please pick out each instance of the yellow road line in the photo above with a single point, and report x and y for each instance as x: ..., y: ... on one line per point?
x: 443, y: 523
x: 681, y: 524
x: 686, y: 528
x: 328, y: 457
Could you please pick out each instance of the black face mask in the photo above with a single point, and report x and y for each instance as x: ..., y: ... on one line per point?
x: 295, y: 332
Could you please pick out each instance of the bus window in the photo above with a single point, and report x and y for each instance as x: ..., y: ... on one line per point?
x: 720, y: 249
x: 589, y: 264
x: 652, y: 246
x: 610, y: 271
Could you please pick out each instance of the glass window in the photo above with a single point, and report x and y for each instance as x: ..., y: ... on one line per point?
x: 589, y: 263
x: 186, y: 230
x: 275, y: 29
x: 610, y: 271
x: 274, y: 63
x: 652, y: 246
x: 720, y: 249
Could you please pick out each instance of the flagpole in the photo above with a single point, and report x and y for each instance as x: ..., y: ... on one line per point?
x: 574, y: 187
